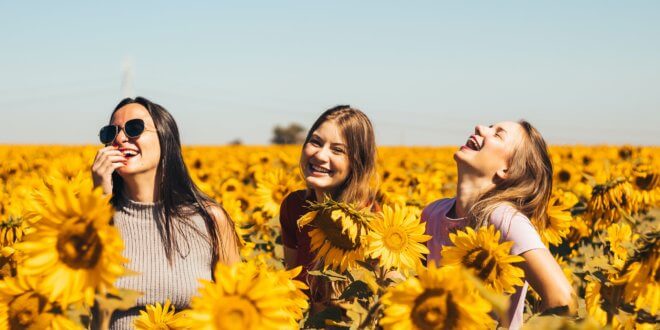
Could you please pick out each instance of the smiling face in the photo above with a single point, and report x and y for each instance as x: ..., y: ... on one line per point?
x: 324, y: 159
x: 488, y: 151
x: 143, y: 152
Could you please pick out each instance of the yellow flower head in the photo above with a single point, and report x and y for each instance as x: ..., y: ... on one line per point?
x: 559, y: 217
x: 22, y: 307
x: 396, y: 239
x: 609, y: 202
x: 273, y: 188
x: 73, y: 246
x: 435, y: 300
x: 481, y: 252
x: 339, y: 237
x: 161, y: 317
x: 646, y: 185
x: 247, y: 296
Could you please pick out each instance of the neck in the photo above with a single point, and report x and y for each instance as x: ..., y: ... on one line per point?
x: 320, y: 194
x: 142, y: 187
x: 468, y: 190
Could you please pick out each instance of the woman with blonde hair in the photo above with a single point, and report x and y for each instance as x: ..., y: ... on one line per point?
x: 505, y: 180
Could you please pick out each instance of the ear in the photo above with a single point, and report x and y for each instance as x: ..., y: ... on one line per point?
x: 502, y: 174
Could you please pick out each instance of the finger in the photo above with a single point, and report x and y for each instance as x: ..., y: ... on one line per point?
x: 117, y: 165
x: 116, y: 159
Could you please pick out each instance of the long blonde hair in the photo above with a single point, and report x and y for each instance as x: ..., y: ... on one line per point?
x: 360, y: 185
x: 527, y: 186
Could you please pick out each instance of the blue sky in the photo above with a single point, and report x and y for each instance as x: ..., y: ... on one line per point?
x: 426, y: 72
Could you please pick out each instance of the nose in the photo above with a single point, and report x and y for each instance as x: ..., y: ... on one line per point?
x: 120, y: 138
x: 479, y: 129
x: 322, y: 155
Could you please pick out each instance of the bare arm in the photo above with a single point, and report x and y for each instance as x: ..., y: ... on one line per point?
x: 546, y: 277
x: 229, y: 253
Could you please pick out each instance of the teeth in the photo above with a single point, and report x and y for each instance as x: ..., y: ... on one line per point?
x: 472, y: 144
x: 320, y: 169
x: 130, y: 153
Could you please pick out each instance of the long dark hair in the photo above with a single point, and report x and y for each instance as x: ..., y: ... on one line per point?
x: 177, y: 193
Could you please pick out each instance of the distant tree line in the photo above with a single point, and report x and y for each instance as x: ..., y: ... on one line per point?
x: 292, y: 134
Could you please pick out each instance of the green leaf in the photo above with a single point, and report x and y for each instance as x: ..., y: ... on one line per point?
x: 329, y: 274
x: 318, y: 320
x: 357, y: 289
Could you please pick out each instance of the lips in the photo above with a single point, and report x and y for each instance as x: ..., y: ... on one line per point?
x: 318, y: 170
x: 473, y: 143
x: 128, y: 153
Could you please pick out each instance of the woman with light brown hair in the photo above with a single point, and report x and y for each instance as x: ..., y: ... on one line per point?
x: 505, y: 180
x: 338, y: 161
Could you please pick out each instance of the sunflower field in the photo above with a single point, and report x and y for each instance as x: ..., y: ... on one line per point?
x: 60, y: 255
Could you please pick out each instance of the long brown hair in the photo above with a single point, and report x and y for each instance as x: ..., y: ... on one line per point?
x: 360, y: 185
x: 527, y: 186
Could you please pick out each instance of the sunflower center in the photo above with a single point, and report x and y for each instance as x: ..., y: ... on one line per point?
x: 434, y: 309
x: 395, y: 239
x: 646, y: 182
x: 237, y: 313
x: 481, y: 261
x: 335, y: 234
x: 564, y: 176
x: 79, y: 245
x: 24, y: 309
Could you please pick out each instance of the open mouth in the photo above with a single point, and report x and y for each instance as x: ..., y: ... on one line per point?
x: 318, y: 170
x: 473, y: 144
x: 128, y: 153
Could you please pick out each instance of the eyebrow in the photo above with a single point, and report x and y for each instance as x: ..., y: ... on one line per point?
x: 316, y: 136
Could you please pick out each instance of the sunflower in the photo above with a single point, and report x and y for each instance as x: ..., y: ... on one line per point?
x: 248, y: 296
x: 566, y: 174
x: 609, y: 202
x: 73, y: 247
x: 339, y: 234
x: 11, y: 230
x: 559, y: 217
x: 435, y: 300
x: 646, y: 184
x: 641, y: 272
x: 488, y: 259
x: 396, y: 238
x: 22, y: 307
x: 273, y: 188
x: 617, y: 235
x: 160, y: 317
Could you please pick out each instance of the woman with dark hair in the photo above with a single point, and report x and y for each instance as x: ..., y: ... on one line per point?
x: 173, y: 233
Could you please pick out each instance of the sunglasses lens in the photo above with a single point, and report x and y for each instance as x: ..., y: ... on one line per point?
x: 108, y: 133
x: 134, y: 128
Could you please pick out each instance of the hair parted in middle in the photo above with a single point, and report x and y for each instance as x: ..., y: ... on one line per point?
x: 356, y: 129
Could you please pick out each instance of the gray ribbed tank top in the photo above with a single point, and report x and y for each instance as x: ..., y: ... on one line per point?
x: 144, y: 249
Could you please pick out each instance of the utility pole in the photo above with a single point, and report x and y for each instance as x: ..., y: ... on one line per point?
x: 127, y: 78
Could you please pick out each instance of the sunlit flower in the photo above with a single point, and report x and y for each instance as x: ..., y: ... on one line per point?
x: 396, y: 239
x: 481, y: 252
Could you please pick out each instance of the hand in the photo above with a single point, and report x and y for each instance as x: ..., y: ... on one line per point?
x: 107, y: 160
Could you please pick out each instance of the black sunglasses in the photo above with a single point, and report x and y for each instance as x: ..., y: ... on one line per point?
x: 133, y: 128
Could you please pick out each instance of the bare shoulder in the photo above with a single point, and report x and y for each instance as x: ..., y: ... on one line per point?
x: 218, y: 214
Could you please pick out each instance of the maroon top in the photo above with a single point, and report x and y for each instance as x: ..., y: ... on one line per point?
x: 293, y: 207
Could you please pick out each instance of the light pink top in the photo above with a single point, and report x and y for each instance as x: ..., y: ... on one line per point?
x: 513, y: 225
